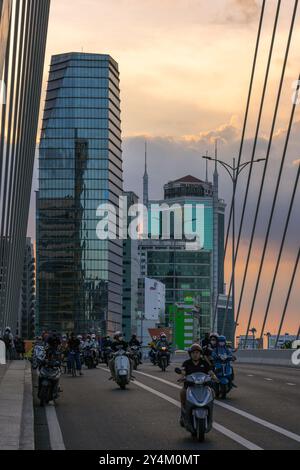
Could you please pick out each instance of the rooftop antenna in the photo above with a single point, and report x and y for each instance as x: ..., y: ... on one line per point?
x: 206, y: 161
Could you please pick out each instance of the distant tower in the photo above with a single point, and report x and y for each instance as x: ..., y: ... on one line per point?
x: 216, y: 238
x: 146, y: 181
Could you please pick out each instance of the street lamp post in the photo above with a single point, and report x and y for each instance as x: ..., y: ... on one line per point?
x: 233, y: 171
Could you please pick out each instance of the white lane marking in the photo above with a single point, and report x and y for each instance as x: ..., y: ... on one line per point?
x: 249, y: 416
x: 249, y: 375
x: 218, y: 427
x: 292, y: 385
x: 55, y: 434
x: 269, y: 380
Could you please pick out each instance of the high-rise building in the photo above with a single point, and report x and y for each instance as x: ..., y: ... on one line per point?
x: 131, y: 272
x: 188, y: 271
x: 27, y: 296
x: 23, y: 33
x: 79, y: 276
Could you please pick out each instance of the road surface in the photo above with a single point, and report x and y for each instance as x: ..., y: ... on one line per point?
x: 94, y: 414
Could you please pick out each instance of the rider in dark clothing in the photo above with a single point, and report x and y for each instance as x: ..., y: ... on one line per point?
x: 134, y: 341
x: 197, y: 363
x: 74, y: 353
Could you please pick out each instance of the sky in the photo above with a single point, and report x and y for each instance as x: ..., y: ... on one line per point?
x: 185, y: 70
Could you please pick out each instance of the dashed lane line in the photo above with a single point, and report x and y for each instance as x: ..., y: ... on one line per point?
x: 55, y: 434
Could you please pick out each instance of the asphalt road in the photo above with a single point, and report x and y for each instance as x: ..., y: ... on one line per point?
x: 93, y: 414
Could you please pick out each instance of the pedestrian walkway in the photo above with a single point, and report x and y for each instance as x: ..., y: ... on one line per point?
x: 16, y: 413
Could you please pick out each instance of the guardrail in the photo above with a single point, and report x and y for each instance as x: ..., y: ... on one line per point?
x: 278, y: 357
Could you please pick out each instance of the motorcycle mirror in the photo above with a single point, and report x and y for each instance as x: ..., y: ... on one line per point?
x: 178, y: 371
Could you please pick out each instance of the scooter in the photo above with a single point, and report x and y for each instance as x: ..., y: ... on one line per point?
x: 122, y: 368
x: 224, y: 372
x: 49, y: 375
x: 197, y: 416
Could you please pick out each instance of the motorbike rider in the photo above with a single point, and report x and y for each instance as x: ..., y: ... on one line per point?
x: 106, y: 344
x: 221, y: 348
x: 163, y: 343
x: 205, y: 341
x: 117, y: 344
x: 135, y: 342
x: 198, y: 362
x: 210, y: 346
x: 52, y: 359
x: 74, y: 352
x: 152, y: 346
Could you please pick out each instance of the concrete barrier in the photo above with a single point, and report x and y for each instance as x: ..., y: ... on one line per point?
x: 278, y: 357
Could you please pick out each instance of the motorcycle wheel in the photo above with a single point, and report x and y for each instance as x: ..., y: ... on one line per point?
x: 44, y: 395
x: 200, y: 430
x: 122, y: 384
x: 163, y: 365
x: 135, y: 364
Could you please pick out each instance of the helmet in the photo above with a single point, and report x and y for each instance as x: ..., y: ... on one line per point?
x: 7, y: 329
x: 195, y: 347
x: 154, y: 338
x: 93, y: 336
x: 222, y: 340
x: 79, y: 337
x: 213, y: 335
x: 118, y: 334
x: 163, y: 336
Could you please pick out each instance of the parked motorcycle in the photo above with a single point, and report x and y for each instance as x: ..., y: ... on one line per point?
x: 197, y: 416
x: 122, y: 368
x: 49, y: 375
x: 224, y: 372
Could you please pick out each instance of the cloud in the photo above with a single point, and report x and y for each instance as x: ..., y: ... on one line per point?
x: 242, y: 11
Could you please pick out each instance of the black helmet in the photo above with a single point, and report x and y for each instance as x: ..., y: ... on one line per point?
x: 195, y: 347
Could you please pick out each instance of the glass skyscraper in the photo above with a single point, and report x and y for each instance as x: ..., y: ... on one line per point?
x: 79, y: 277
x: 188, y: 273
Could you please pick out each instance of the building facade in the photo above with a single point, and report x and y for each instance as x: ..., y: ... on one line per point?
x: 186, y: 269
x: 23, y: 33
x: 27, y: 297
x: 79, y: 276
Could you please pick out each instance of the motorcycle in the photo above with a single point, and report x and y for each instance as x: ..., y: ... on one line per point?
x: 152, y: 356
x: 122, y: 368
x: 197, y: 416
x: 106, y: 355
x: 49, y: 375
x: 135, y: 356
x: 224, y: 373
x: 163, y: 358
x: 90, y: 358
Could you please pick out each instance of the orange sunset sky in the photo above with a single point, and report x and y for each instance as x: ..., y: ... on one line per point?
x: 185, y: 71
